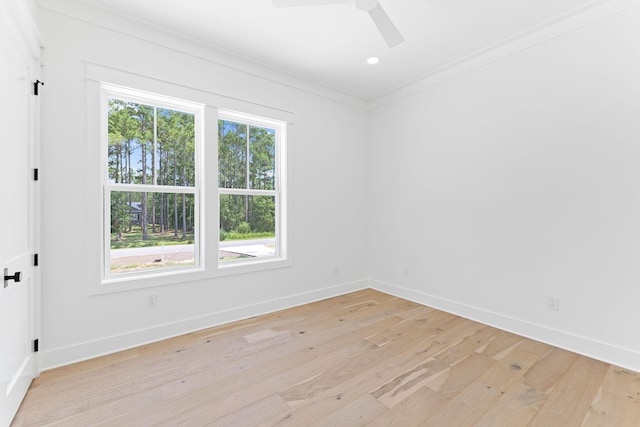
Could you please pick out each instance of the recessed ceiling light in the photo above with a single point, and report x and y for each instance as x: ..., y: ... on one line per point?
x: 373, y: 60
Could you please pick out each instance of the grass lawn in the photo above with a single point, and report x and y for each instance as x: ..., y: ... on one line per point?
x: 134, y: 239
x: 167, y: 238
x: 232, y: 235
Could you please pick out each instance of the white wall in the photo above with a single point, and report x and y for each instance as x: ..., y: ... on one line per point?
x: 327, y: 152
x: 516, y: 181
x: 496, y: 188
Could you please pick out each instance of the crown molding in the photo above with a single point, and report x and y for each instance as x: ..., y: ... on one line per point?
x: 174, y: 40
x: 17, y: 13
x: 572, y: 20
x: 562, y: 24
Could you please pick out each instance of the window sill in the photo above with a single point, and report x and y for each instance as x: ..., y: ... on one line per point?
x: 174, y: 277
x: 243, y: 267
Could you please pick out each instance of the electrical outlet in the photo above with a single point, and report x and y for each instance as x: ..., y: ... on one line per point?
x: 405, y: 271
x: 553, y: 303
x: 152, y: 301
x: 336, y: 269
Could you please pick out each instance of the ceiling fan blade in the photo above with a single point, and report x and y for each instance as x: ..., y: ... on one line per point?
x: 295, y: 3
x: 386, y: 27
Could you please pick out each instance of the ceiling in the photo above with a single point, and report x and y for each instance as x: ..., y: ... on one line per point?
x: 328, y: 45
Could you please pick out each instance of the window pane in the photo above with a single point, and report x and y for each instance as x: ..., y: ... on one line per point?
x: 175, y: 157
x: 232, y: 154
x: 151, y: 231
x: 130, y: 140
x: 247, y: 227
x: 262, y: 158
x: 149, y: 145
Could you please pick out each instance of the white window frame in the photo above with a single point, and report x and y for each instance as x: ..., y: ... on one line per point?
x: 279, y: 192
x: 98, y: 78
x: 157, y: 101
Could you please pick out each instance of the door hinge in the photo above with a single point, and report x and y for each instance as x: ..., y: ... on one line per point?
x: 35, y: 345
x: 35, y: 174
x: 35, y: 86
x: 35, y: 260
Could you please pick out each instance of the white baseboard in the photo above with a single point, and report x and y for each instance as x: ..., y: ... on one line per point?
x: 62, y: 356
x: 606, y: 352
x: 589, y: 347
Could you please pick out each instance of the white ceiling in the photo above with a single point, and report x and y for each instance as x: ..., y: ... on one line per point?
x: 328, y: 45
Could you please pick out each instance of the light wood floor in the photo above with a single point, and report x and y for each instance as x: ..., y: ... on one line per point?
x: 365, y: 358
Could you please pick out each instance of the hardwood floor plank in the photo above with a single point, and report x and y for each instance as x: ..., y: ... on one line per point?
x: 356, y: 413
x: 361, y: 358
x: 412, y: 411
x: 177, y: 365
x: 468, y: 345
x: 95, y: 413
x: 465, y: 408
x: 476, y: 391
x: 58, y: 375
x: 458, y: 377
x: 510, y: 368
x: 253, y: 378
x: 408, y: 382
x: 248, y: 416
x: 549, y: 370
x: 618, y: 400
x: 395, y: 339
x: 501, y: 345
x: 570, y: 400
x: 516, y: 407
x: 419, y: 351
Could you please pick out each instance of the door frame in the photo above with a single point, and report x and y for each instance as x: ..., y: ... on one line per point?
x: 20, y: 27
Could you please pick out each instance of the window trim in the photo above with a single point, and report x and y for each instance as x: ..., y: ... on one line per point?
x: 157, y: 101
x: 97, y: 76
x: 279, y: 191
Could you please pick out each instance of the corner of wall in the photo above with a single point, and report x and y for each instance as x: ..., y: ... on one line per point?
x: 606, y: 352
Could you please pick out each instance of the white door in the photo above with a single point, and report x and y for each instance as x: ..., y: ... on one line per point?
x: 17, y: 223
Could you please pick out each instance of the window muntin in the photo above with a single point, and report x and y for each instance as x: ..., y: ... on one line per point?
x: 120, y: 178
x: 249, y: 189
x: 151, y: 185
